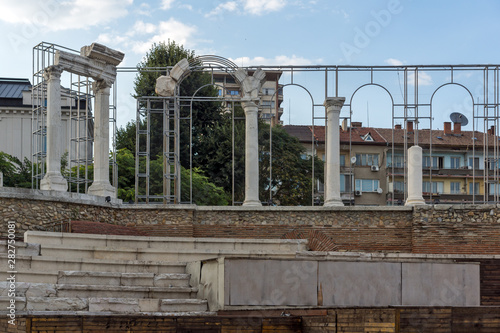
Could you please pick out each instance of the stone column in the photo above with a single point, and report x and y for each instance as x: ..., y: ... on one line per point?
x: 101, y: 185
x: 251, y: 154
x: 332, y: 169
x: 53, y: 179
x: 415, y: 177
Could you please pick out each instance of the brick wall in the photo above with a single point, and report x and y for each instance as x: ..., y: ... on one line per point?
x: 468, y: 229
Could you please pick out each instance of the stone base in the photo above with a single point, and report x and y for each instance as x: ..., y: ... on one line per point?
x: 415, y: 201
x: 54, y: 182
x: 103, y: 189
x: 252, y: 203
x: 333, y: 203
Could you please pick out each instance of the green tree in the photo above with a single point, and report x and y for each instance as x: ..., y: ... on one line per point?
x: 204, y: 114
x: 15, y: 172
x: 291, y: 177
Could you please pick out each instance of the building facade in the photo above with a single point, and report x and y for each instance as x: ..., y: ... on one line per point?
x: 17, y: 123
x: 271, y: 94
x: 458, y: 166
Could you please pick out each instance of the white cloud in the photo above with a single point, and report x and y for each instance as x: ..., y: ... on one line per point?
x: 424, y: 79
x: 172, y: 29
x: 144, y: 9
x: 63, y: 15
x: 253, y: 7
x: 166, y: 4
x: 278, y: 60
x: 393, y: 62
x: 142, y: 28
x: 259, y: 7
x: 229, y: 6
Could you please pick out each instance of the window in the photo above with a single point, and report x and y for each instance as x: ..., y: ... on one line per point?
x: 233, y: 92
x: 454, y: 162
x: 432, y: 162
x: 474, y: 188
x: 321, y: 186
x: 342, y: 160
x: 367, y: 185
x: 268, y: 91
x: 434, y: 187
x: 399, y: 187
x: 366, y: 159
x: 455, y: 187
x: 398, y: 161
x: 345, y: 183
x: 494, y: 189
x: 474, y: 162
x: 230, y: 80
x: 367, y: 137
x: 268, y: 104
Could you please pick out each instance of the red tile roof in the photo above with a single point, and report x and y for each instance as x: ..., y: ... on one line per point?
x: 385, y: 136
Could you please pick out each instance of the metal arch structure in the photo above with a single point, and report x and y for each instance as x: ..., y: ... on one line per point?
x: 417, y: 86
x: 176, y: 109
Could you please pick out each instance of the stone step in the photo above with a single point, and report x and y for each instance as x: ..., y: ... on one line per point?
x: 32, y: 276
x: 20, y: 248
x: 53, y: 264
x: 103, y: 305
x: 133, y: 305
x: 186, y: 255
x: 26, y: 289
x: 123, y: 279
x: 165, y: 243
x: 74, y: 290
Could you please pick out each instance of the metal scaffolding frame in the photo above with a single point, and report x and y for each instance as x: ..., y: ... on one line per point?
x: 77, y: 98
x: 414, y: 104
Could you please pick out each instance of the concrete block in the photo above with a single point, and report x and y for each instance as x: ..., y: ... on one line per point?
x: 19, y: 303
x: 183, y: 305
x: 360, y: 283
x: 119, y: 305
x: 171, y: 280
x: 137, y: 279
x: 270, y: 282
x: 57, y: 304
x: 438, y: 284
x: 89, y: 278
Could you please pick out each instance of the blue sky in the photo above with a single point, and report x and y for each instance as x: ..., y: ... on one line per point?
x: 266, y: 32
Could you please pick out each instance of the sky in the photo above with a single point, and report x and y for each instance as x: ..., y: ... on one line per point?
x: 275, y: 32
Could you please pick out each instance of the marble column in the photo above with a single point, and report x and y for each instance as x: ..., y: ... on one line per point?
x: 332, y: 167
x: 101, y: 185
x: 415, y: 177
x: 53, y: 179
x: 251, y: 154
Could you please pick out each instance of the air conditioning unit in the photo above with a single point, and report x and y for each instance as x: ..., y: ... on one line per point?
x: 374, y: 168
x: 357, y: 193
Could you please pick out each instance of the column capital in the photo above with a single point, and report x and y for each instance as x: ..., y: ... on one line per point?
x: 53, y: 72
x: 249, y: 106
x: 101, y: 86
x: 334, y: 103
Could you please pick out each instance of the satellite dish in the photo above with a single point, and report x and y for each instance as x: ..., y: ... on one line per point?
x: 380, y: 191
x: 457, y: 117
x: 353, y: 159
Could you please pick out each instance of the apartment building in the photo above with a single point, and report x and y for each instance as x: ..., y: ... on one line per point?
x: 271, y: 94
x: 458, y: 166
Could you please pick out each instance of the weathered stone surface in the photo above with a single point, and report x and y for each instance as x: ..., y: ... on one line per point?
x: 56, y: 304
x: 122, y: 305
x: 165, y: 86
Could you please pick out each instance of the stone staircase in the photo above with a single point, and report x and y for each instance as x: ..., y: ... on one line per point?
x: 108, y: 274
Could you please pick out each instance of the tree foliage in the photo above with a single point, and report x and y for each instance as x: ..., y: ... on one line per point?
x: 16, y: 173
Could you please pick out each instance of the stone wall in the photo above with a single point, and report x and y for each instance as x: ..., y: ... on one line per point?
x: 471, y: 229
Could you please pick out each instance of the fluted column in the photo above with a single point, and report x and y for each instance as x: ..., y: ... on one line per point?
x: 415, y: 177
x: 53, y: 179
x: 251, y: 154
x: 332, y: 169
x: 101, y: 185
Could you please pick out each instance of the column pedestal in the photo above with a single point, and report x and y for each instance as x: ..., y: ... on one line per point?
x: 332, y: 167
